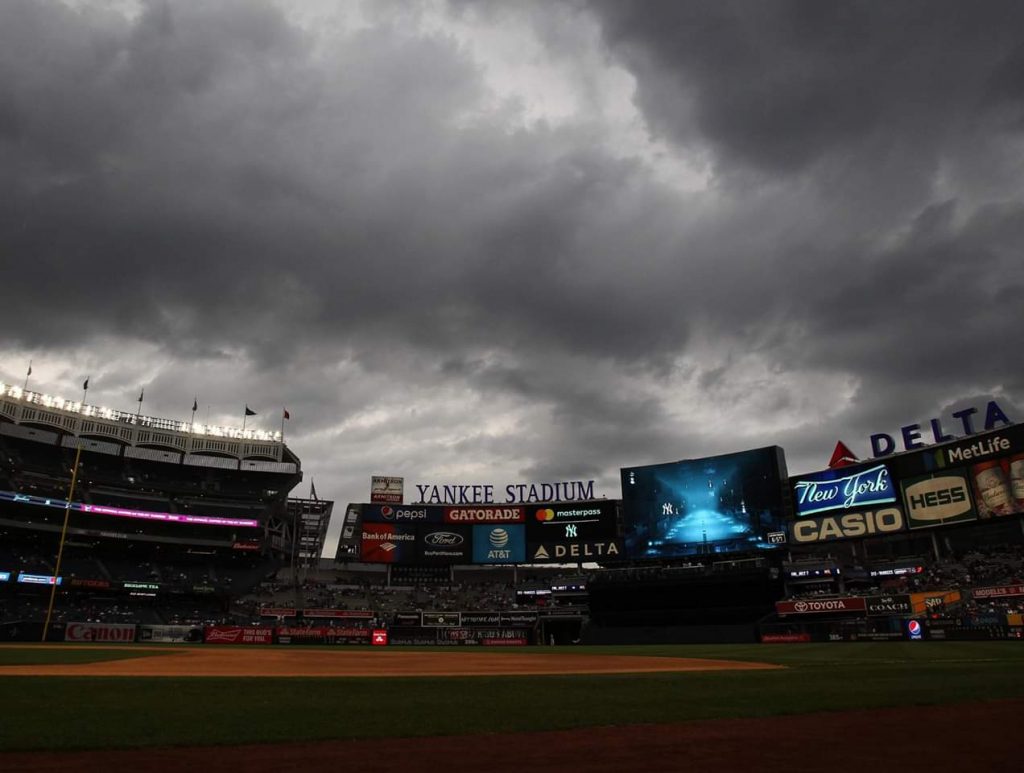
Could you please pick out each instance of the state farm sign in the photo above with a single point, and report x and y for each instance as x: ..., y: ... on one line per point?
x: 820, y: 606
x: 101, y: 632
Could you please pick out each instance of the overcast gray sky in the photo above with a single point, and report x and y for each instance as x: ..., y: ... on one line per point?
x: 532, y: 241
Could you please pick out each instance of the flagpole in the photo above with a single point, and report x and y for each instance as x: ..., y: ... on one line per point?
x: 25, y: 388
x: 195, y: 405
x: 282, y: 424
x: 245, y: 417
x: 138, y: 412
x: 63, y: 536
x: 85, y: 390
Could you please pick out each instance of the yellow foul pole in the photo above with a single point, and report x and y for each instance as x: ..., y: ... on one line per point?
x: 63, y: 535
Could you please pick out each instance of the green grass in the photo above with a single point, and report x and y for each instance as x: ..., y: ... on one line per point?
x: 87, y: 712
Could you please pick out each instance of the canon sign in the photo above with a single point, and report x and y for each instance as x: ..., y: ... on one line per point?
x: 99, y: 632
x: 847, y: 526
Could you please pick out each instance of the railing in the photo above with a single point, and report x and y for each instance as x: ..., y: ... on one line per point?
x: 83, y: 410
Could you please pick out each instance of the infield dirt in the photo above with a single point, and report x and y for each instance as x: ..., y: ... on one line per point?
x: 242, y: 662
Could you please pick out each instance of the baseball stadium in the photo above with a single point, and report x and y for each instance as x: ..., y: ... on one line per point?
x: 165, y: 602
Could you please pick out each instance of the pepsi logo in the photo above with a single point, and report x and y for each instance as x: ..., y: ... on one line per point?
x: 387, y: 512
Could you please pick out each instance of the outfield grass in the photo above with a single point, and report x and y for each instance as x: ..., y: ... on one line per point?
x: 86, y: 712
x: 39, y: 656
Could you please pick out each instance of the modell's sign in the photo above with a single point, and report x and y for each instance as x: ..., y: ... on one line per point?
x: 998, y: 592
x: 964, y: 422
x: 820, y: 606
x: 99, y: 632
x: 868, y: 523
x: 843, y: 490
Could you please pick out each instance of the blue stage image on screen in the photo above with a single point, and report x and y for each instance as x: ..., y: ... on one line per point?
x: 721, y: 504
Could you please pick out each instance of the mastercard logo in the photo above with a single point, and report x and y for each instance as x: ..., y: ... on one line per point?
x: 546, y: 514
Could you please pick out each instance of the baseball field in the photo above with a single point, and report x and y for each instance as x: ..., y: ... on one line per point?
x: 886, y: 705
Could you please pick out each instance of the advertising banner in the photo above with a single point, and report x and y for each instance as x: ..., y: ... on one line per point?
x: 387, y: 489
x: 578, y: 551
x: 518, y: 619
x: 931, y: 601
x: 821, y: 606
x: 998, y: 592
x: 236, y: 634
x: 554, y: 522
x: 388, y: 543
x: 408, y: 619
x: 867, y: 523
x: 441, y: 619
x: 499, y: 544
x: 170, y: 633
x: 79, y: 582
x: 322, y: 634
x: 785, y: 638
x: 100, y: 632
x: 402, y: 514
x: 485, y: 514
x: 939, y: 498
x: 846, y: 488
x: 445, y: 544
x: 358, y: 614
x: 277, y: 612
x: 889, y: 605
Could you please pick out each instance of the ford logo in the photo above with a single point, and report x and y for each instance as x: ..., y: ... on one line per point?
x: 443, y: 538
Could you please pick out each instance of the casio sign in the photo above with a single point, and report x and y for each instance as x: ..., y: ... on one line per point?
x: 849, y: 525
x: 938, y: 499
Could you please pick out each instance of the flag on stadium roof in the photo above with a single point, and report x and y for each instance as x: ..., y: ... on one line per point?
x: 249, y: 411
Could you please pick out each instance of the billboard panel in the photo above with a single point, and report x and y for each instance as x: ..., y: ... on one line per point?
x: 720, y: 504
x: 840, y: 525
x: 577, y: 551
x: 821, y: 606
x: 236, y: 634
x: 388, y: 543
x: 847, y: 488
x: 568, y: 521
x: 402, y: 514
x: 387, y: 489
x: 499, y: 544
x: 937, y: 499
x: 100, y: 632
x: 444, y: 544
x: 485, y: 514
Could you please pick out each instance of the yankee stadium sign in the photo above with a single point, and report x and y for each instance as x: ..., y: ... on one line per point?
x: 483, y: 494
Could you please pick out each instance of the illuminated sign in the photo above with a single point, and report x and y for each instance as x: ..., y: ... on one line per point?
x: 832, y: 490
x: 483, y: 494
x: 5, y: 576
x: 38, y: 579
x: 883, y: 444
x: 200, y: 520
x: 936, y: 499
x: 847, y: 525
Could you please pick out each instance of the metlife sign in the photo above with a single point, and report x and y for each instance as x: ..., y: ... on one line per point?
x: 842, y: 489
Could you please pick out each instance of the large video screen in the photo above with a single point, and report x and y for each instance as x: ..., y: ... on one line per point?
x: 721, y: 504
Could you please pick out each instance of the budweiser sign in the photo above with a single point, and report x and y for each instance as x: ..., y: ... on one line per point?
x: 236, y: 634
x: 820, y: 606
x: 101, y: 632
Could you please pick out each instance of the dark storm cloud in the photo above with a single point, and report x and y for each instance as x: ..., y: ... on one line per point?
x: 210, y: 197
